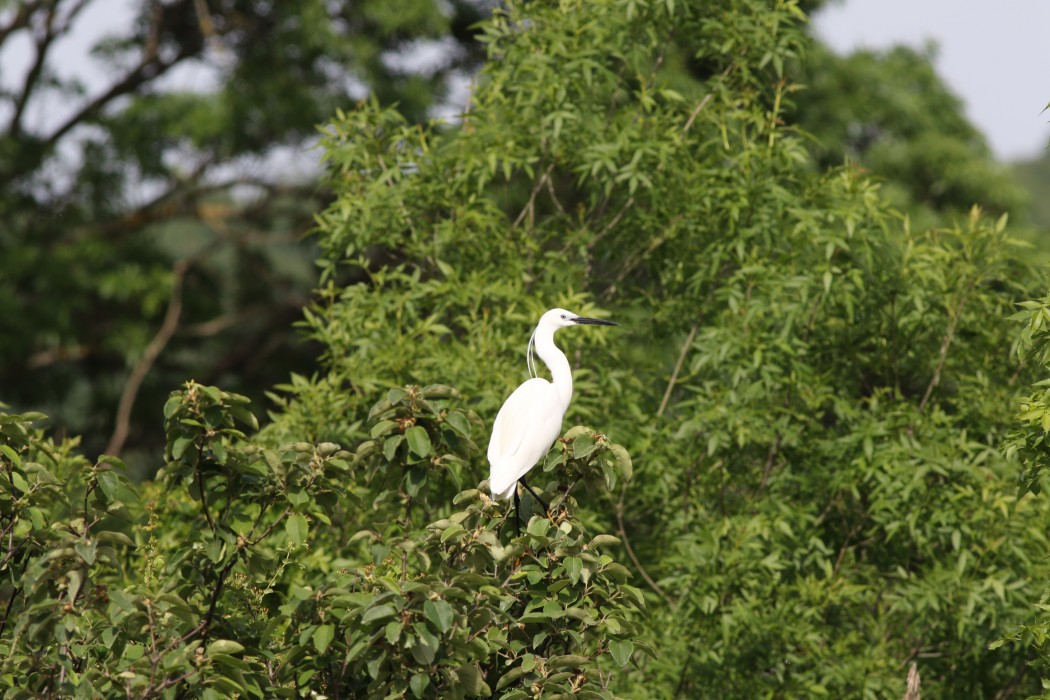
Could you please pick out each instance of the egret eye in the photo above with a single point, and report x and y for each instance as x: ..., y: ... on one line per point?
x: 563, y: 316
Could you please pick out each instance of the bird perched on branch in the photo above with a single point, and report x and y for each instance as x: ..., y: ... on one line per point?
x: 530, y: 420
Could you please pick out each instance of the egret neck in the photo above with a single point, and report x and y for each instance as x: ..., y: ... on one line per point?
x: 557, y: 363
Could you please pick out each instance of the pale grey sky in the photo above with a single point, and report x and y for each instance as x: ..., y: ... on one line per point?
x: 995, y: 56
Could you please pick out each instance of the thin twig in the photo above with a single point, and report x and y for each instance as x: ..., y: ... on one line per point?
x: 203, y: 493
x: 612, y: 223
x: 153, y: 350
x: 699, y: 108
x: 32, y: 77
x: 678, y: 367
x: 20, y: 19
x: 689, y: 340
x: 630, y: 550
x: 554, y: 197
x: 1014, y: 683
x: 774, y: 450
x: 946, y: 343
x: 148, y: 70
x: 530, y: 207
x: 45, y: 358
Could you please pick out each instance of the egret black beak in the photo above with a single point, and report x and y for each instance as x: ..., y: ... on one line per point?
x: 593, y: 321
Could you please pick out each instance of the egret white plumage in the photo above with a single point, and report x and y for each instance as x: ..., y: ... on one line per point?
x: 530, y: 420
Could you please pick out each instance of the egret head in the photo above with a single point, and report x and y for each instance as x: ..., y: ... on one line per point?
x: 560, y: 318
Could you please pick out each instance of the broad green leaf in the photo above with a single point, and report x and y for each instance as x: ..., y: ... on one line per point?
x: 439, y: 613
x: 296, y: 527
x: 378, y: 613
x: 322, y: 637
x: 224, y: 646
x: 418, y: 684
x: 418, y: 440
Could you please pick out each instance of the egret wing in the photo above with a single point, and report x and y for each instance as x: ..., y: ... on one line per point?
x: 525, y: 427
x: 512, y: 421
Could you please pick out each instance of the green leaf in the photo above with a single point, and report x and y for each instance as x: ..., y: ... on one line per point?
x: 418, y: 440
x: 19, y: 482
x: 555, y: 457
x: 86, y: 550
x: 390, y: 446
x: 451, y: 532
x: 178, y: 448
x: 378, y: 613
x: 603, y: 540
x: 172, y: 405
x: 621, y: 650
x: 224, y: 646
x: 426, y: 645
x: 458, y: 422
x: 296, y: 527
x: 418, y: 683
x: 10, y: 453
x: 623, y: 461
x: 381, y: 428
x: 583, y: 446
x: 574, y: 566
x: 322, y: 637
x: 439, y: 613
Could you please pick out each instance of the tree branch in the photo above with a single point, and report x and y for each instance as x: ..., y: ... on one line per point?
x: 946, y: 343
x: 20, y: 20
x: 530, y: 207
x: 176, y: 200
x: 46, y: 358
x: 678, y: 367
x: 622, y: 530
x: 153, y: 350
x: 149, y: 68
x: 32, y: 77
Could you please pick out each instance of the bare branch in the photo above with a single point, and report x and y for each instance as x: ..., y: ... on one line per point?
x: 46, y: 358
x: 42, y: 44
x: 180, y: 198
x: 530, y: 207
x: 946, y: 343
x: 913, y: 691
x: 689, y: 341
x: 141, y: 74
x: 149, y: 68
x: 20, y: 20
x: 699, y: 108
x: 153, y: 350
x: 622, y: 530
x: 678, y: 367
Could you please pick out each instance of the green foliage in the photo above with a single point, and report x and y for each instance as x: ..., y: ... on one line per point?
x: 815, y: 393
x: 238, y: 573
x: 67, y: 528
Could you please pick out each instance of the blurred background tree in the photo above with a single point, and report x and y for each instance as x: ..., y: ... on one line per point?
x: 154, y: 223
x: 891, y: 114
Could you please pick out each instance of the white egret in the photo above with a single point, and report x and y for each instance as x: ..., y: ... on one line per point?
x: 530, y: 420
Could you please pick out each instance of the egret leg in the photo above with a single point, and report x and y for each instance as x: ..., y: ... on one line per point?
x: 517, y: 510
x: 539, y: 500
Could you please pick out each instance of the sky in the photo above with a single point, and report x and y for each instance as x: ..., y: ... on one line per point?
x: 995, y: 56
x: 996, y: 60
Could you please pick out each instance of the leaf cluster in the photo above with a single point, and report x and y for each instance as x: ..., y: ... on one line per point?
x: 239, y: 572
